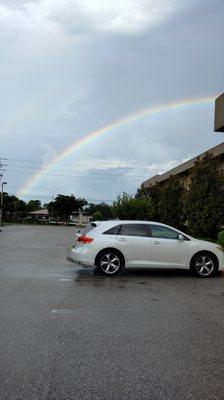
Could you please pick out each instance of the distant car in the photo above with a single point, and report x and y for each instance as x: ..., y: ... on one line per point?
x: 113, y: 245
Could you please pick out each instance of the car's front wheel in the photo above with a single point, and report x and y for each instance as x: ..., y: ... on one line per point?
x: 109, y: 262
x: 204, y: 265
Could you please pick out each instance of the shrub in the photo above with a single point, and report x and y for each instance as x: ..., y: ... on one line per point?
x: 170, y: 205
x: 221, y: 239
x: 205, y: 198
x: 128, y: 207
x: 97, y: 216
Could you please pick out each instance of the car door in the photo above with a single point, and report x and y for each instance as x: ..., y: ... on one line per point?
x: 167, y: 250
x: 134, y: 241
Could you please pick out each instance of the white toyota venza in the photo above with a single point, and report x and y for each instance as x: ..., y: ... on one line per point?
x: 113, y: 245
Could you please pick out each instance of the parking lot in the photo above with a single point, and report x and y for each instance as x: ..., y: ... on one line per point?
x: 69, y: 333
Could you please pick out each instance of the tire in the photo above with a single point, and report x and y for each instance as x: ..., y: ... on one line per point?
x: 109, y: 262
x: 204, y: 265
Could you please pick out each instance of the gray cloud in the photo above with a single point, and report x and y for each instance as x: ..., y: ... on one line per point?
x: 67, y: 69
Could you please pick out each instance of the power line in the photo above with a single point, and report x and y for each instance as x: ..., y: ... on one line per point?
x: 41, y: 162
x: 78, y: 172
x: 78, y: 177
x: 2, y: 166
x: 42, y: 167
x: 86, y: 170
x: 33, y: 195
x: 54, y: 163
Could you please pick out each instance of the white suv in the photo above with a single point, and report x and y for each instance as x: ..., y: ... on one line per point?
x: 113, y: 245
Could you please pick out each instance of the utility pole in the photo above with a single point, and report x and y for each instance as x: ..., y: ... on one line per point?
x: 2, y: 186
x: 1, y: 207
x: 52, y: 199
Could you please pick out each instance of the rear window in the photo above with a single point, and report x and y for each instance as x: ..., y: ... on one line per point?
x: 113, y: 231
x: 88, y: 228
x: 134, y: 230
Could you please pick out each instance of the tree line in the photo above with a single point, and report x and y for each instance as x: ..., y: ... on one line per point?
x: 61, y: 208
x: 194, y: 204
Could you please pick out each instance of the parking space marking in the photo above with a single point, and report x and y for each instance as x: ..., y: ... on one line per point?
x: 65, y: 279
x: 63, y: 311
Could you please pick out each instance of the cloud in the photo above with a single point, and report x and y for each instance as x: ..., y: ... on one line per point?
x: 118, y: 16
x: 71, y: 67
x: 110, y: 16
x: 48, y: 152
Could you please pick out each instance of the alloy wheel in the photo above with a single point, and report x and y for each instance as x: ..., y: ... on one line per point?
x: 110, y: 263
x: 204, y: 265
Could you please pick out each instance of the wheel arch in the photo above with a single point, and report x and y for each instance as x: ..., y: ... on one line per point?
x: 110, y: 249
x: 209, y: 252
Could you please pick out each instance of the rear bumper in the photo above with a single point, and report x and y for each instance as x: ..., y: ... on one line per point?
x: 81, y: 255
x: 69, y: 255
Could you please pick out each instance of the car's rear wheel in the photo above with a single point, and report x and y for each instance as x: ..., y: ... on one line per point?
x: 109, y: 262
x: 204, y: 265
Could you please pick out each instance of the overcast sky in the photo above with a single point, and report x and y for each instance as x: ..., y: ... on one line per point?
x: 68, y: 67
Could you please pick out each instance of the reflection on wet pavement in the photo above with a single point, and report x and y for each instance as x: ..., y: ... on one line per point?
x: 140, y: 277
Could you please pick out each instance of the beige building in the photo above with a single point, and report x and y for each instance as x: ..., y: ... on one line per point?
x: 219, y: 114
x: 182, y: 171
x: 79, y: 218
x: 40, y: 215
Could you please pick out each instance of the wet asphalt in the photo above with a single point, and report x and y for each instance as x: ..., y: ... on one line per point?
x: 69, y: 333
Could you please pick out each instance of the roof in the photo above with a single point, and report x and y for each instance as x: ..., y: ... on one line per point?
x: 40, y: 212
x: 115, y: 222
x: 102, y: 225
x: 215, y: 152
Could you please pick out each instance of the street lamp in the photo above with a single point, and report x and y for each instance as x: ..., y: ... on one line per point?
x: 1, y: 206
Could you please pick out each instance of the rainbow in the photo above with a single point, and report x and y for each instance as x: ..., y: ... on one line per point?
x: 93, y: 135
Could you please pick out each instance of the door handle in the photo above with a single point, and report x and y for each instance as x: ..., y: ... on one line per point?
x: 122, y: 240
x: 156, y: 242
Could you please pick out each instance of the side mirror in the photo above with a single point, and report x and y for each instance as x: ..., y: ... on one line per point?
x: 181, y: 237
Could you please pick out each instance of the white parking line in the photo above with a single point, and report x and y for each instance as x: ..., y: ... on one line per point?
x: 65, y: 280
x: 63, y: 311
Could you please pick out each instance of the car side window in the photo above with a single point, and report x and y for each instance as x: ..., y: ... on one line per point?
x: 113, y: 231
x: 163, y: 232
x: 134, y: 230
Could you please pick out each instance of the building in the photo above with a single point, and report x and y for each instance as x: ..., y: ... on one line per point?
x: 79, y: 218
x: 182, y: 170
x: 40, y: 215
x: 43, y: 216
x: 219, y: 114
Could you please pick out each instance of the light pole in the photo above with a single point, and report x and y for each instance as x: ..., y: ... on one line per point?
x: 1, y: 206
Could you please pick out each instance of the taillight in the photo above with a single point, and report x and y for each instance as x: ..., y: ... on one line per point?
x: 85, y: 239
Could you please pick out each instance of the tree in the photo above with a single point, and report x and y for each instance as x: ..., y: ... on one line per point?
x: 142, y: 192
x: 22, y: 206
x: 97, y: 216
x: 33, y: 205
x: 103, y: 208
x: 128, y: 207
x: 152, y: 193
x: 11, y: 205
x: 64, y: 206
x: 170, y: 204
x: 204, y: 203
